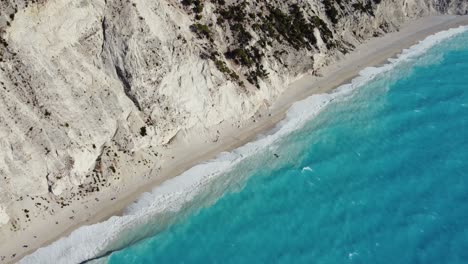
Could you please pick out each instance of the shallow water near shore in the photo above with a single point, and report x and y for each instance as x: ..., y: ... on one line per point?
x: 379, y: 177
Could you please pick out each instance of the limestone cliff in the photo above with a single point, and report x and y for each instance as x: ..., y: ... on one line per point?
x: 92, y: 92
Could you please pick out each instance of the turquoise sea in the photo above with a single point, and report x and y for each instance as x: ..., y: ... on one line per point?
x: 378, y: 177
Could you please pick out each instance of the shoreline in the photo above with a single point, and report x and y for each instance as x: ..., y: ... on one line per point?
x: 374, y: 52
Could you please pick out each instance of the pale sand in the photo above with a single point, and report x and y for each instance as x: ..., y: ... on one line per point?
x: 373, y: 53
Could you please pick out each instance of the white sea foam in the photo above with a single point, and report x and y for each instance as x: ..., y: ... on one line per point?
x: 90, y: 241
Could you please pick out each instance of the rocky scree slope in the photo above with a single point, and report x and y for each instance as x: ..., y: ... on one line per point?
x: 92, y: 92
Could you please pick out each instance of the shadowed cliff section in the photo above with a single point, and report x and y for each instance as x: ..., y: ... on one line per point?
x: 127, y: 87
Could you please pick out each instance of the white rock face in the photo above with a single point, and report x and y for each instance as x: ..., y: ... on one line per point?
x: 92, y: 91
x: 4, y: 218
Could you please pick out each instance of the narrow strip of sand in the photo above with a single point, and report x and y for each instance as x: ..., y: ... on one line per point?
x: 373, y: 53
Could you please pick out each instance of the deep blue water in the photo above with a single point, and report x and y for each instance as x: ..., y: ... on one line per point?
x: 379, y: 178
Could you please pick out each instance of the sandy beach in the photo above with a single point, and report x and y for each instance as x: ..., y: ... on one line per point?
x: 372, y: 53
